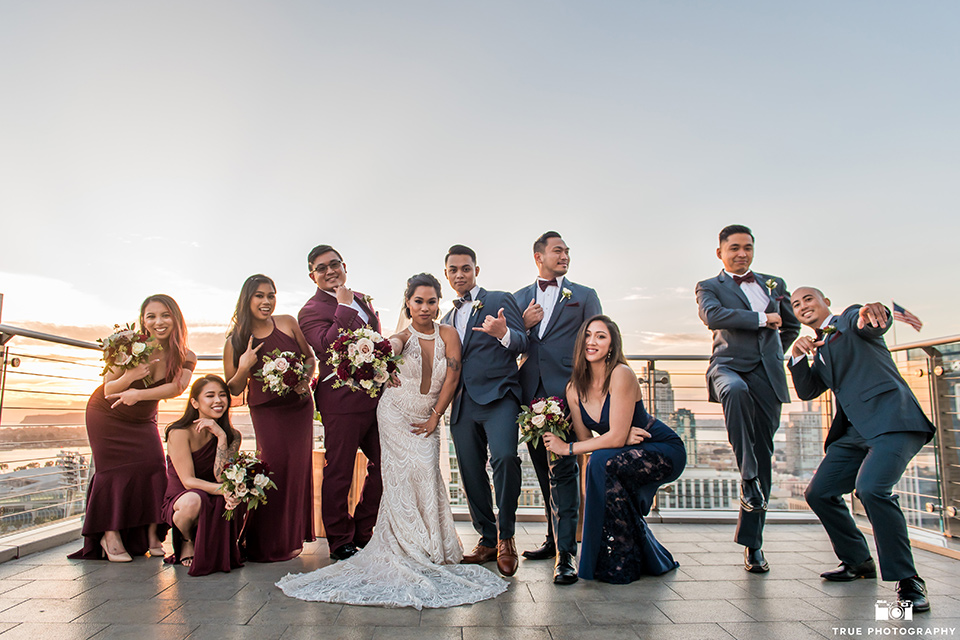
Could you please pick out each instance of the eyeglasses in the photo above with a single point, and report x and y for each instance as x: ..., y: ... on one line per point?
x: 333, y: 265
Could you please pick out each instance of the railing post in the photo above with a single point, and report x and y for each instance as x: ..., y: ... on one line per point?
x: 946, y: 457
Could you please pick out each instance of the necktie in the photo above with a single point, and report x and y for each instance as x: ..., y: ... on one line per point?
x: 547, y: 283
x: 748, y: 277
x: 459, y: 301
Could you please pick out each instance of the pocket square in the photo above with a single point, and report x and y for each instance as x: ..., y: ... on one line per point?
x: 572, y: 304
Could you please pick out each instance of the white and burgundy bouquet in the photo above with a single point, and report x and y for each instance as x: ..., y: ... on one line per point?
x: 544, y: 415
x: 126, y: 348
x: 281, y: 371
x: 362, y: 359
x: 247, y: 477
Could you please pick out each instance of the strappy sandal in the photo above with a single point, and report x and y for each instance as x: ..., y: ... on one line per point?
x: 187, y: 561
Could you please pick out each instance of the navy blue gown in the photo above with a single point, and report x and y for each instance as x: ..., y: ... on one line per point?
x: 618, y: 546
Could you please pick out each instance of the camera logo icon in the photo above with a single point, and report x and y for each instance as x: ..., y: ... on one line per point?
x: 899, y: 610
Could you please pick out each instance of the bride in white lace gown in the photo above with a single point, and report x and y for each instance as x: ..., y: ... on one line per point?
x: 412, y: 559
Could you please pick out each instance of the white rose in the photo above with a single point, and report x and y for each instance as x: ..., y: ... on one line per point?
x: 538, y: 420
x: 241, y: 490
x: 366, y: 384
x: 554, y: 408
x: 138, y: 348
x: 352, y: 350
x: 260, y: 480
x: 538, y: 407
x: 380, y: 377
x: 365, y: 346
x: 281, y: 364
x: 268, y: 367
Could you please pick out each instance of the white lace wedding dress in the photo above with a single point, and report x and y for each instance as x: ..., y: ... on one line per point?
x: 412, y: 559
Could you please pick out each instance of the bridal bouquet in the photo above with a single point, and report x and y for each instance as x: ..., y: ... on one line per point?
x: 126, y: 348
x: 362, y: 359
x: 248, y: 478
x: 544, y: 415
x: 281, y: 371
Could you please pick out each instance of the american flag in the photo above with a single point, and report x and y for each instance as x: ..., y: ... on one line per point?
x: 901, y: 314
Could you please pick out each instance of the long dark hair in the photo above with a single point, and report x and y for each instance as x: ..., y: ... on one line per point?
x: 241, y: 324
x: 582, y: 373
x: 177, y: 342
x: 191, y: 414
x: 419, y: 280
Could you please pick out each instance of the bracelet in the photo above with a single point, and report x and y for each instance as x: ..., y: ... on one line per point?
x: 434, y: 409
x: 571, y: 448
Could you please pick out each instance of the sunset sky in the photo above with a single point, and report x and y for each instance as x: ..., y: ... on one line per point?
x: 179, y: 147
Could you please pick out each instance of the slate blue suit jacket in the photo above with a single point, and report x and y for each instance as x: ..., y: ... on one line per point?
x: 550, y: 359
x: 871, y: 394
x: 489, y: 370
x: 738, y: 342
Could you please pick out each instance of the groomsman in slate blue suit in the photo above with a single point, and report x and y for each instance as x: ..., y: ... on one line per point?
x: 554, y: 308
x: 485, y: 408
x: 878, y: 429
x: 753, y: 325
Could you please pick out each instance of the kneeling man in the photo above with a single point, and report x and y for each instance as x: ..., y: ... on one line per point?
x: 879, y: 427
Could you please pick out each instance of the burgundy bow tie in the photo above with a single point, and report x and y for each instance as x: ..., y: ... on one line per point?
x: 749, y: 277
x: 460, y: 301
x: 547, y: 283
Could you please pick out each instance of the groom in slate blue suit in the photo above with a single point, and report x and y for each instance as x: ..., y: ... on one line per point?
x: 753, y: 325
x: 878, y: 429
x: 554, y: 308
x: 485, y: 408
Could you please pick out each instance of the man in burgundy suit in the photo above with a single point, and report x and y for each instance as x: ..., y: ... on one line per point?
x: 349, y: 416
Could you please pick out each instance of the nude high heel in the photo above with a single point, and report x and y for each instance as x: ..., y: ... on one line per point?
x: 114, y: 557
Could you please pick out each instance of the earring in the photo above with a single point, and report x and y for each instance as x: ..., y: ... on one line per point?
x: 609, y: 356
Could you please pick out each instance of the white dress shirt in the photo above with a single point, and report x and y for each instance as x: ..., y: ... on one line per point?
x: 757, y: 295
x: 462, y: 316
x: 353, y: 305
x: 547, y: 299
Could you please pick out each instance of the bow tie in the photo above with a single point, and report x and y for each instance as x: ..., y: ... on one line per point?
x: 459, y: 301
x: 749, y: 277
x: 547, y: 283
x: 820, y: 334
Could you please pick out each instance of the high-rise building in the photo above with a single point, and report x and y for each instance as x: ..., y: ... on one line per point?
x: 685, y: 424
x: 805, y: 433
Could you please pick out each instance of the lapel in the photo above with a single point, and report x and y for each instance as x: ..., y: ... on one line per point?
x: 473, y: 318
x: 557, y: 308
x: 530, y: 293
x: 826, y: 366
x: 367, y: 308
x: 772, y: 306
x: 734, y: 288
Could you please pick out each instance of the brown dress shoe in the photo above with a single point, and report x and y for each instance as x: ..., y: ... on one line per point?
x: 507, y: 559
x: 479, y: 555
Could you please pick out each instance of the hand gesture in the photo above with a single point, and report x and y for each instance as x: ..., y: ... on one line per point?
x: 805, y: 346
x: 129, y: 397
x: 232, y: 501
x: 532, y: 314
x: 248, y: 359
x: 426, y: 427
x: 874, y: 314
x: 344, y: 295
x: 211, y: 426
x: 495, y: 326
x: 140, y: 371
x: 637, y: 435
x: 555, y: 445
x: 774, y: 321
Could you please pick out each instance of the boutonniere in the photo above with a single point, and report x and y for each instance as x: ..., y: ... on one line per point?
x: 367, y: 298
x: 477, y: 305
x: 830, y: 329
x: 771, y: 285
x: 566, y: 293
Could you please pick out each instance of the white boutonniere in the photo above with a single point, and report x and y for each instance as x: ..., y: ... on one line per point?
x: 367, y: 298
x: 771, y: 285
x: 476, y: 306
x: 566, y: 293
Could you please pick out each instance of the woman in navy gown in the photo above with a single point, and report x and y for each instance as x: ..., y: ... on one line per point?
x: 125, y: 495
x: 631, y: 456
x: 283, y: 424
x: 199, y: 446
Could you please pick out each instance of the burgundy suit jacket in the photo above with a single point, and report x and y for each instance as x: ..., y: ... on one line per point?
x: 321, y: 320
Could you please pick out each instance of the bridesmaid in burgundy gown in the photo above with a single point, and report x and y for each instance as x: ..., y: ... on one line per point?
x: 277, y: 530
x: 199, y: 446
x: 125, y: 494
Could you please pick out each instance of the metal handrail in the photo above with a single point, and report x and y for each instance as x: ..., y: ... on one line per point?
x: 83, y: 344
x: 934, y: 342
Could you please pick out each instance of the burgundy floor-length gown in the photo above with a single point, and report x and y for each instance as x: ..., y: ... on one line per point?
x: 126, y: 491
x: 276, y: 530
x: 215, y: 543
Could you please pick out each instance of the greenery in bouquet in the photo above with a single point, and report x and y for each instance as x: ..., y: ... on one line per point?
x: 544, y: 415
x: 362, y: 359
x: 127, y: 347
x: 247, y: 478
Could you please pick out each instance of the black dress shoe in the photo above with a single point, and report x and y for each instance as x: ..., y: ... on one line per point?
x: 344, y: 551
x: 565, y: 570
x: 847, y: 572
x: 545, y: 552
x: 753, y: 561
x: 915, y: 590
x: 751, y: 496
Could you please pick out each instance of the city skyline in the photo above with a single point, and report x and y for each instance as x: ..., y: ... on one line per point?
x: 180, y: 148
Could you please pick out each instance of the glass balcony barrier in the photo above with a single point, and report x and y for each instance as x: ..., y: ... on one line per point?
x: 45, y: 460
